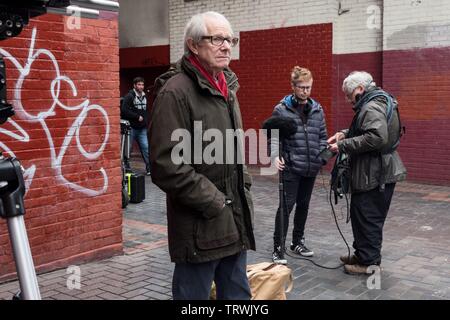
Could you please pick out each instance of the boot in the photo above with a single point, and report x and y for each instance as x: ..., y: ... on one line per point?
x: 352, y: 260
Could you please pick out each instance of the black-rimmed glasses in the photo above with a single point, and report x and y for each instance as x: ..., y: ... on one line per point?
x: 218, y: 40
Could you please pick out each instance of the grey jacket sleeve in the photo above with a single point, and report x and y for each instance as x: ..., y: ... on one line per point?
x: 373, y: 124
x: 178, y: 180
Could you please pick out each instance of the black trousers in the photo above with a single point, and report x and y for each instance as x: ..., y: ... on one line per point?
x: 298, y: 191
x: 368, y: 211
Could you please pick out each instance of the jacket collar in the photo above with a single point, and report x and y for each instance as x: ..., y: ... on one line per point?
x: 203, y: 83
x: 287, y: 101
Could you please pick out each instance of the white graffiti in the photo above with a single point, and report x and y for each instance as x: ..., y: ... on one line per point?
x: 84, y: 108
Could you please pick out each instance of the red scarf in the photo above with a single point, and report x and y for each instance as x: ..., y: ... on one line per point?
x: 220, y: 85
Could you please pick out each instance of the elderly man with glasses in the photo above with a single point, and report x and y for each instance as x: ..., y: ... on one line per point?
x: 299, y: 160
x: 209, y: 206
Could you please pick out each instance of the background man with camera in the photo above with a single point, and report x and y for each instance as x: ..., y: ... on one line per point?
x: 134, y: 109
x: 375, y: 166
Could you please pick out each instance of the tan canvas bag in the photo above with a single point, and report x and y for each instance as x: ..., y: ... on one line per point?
x: 269, y: 281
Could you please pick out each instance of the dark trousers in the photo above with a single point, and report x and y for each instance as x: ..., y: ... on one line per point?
x: 297, y: 190
x: 192, y: 281
x: 368, y: 211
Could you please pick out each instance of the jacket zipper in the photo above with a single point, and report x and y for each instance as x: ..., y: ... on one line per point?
x: 305, y: 130
x: 307, y: 147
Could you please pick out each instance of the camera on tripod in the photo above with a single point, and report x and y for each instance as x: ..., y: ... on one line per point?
x: 14, y: 15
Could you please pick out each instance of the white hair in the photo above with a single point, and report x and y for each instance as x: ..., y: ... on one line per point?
x: 355, y: 79
x: 196, y: 27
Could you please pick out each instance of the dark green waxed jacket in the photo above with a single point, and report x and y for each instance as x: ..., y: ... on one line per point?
x: 209, y: 206
x: 372, y: 160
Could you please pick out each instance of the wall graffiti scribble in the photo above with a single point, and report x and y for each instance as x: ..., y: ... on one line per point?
x: 84, y: 108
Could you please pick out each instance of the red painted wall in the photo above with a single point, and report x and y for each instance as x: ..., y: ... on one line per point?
x: 266, y: 59
x: 71, y: 153
x: 420, y: 79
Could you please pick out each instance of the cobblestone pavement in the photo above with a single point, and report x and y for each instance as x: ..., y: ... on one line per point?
x: 416, y: 250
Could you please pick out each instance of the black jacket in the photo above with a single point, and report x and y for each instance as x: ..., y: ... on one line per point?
x: 370, y: 165
x: 132, y: 107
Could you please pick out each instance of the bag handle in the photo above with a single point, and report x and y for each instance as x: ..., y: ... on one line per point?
x: 290, y: 283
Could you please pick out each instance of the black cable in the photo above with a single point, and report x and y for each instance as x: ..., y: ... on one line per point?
x: 337, y: 225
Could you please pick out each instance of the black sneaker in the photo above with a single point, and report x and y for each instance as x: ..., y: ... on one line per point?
x: 302, y: 250
x: 148, y: 173
x: 276, y: 257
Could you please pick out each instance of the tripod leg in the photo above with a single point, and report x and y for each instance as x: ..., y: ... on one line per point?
x: 24, y: 262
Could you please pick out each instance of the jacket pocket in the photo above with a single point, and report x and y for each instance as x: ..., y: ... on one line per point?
x: 217, y: 232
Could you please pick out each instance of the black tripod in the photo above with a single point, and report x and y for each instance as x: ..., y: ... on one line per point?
x: 282, y: 260
x: 12, y: 190
x: 125, y: 131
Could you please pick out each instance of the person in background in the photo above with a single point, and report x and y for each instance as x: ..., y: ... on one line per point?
x: 134, y: 109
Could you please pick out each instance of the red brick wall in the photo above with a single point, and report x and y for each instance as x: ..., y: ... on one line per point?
x: 73, y: 203
x: 420, y: 79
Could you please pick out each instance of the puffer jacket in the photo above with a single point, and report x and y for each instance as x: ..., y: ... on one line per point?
x: 209, y: 206
x: 301, y: 150
x: 369, y: 142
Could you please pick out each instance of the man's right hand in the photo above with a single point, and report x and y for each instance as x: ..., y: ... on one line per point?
x: 279, y: 163
x: 141, y: 119
x: 334, y: 139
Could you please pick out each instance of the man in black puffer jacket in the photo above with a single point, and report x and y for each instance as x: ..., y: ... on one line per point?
x: 299, y: 159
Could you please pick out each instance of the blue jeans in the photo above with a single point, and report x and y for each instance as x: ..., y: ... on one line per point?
x: 192, y: 281
x: 140, y: 135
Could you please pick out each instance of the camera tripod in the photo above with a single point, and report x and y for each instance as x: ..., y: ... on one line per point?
x: 125, y: 130
x: 12, y: 190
